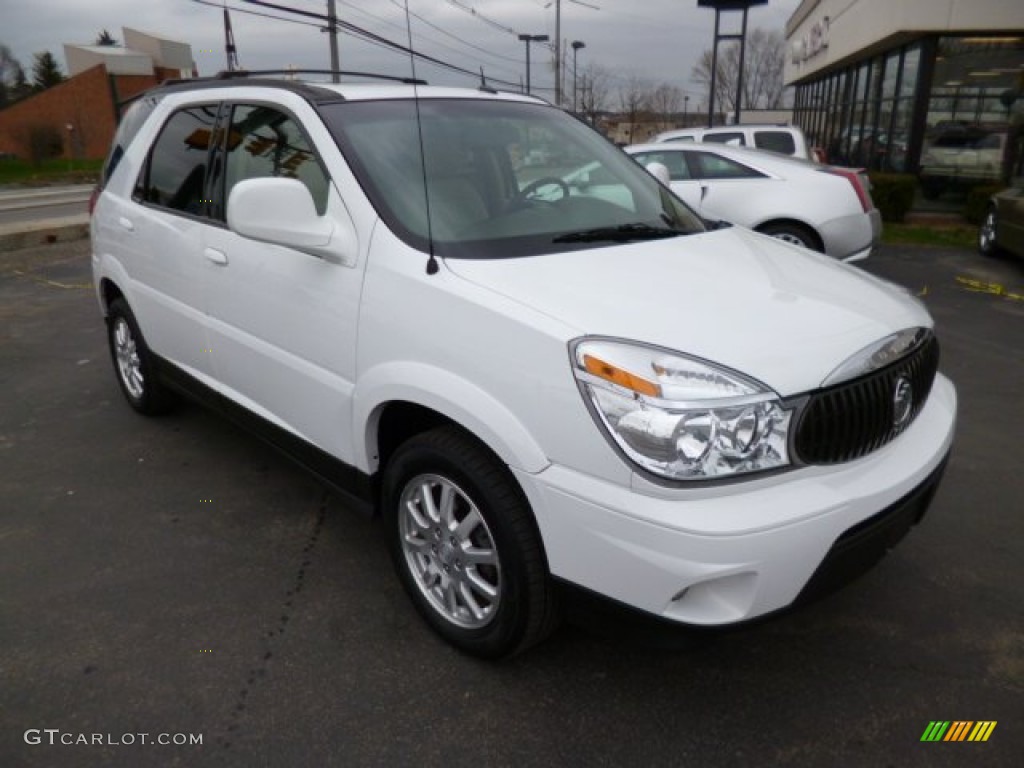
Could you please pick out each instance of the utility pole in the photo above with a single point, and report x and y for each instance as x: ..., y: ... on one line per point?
x: 332, y: 32
x: 229, y: 43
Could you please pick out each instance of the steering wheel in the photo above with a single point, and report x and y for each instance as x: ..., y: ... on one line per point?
x: 544, y: 181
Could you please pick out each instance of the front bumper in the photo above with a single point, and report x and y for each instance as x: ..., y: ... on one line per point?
x: 729, y: 553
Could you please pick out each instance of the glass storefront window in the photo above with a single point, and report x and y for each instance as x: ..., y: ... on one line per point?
x: 911, y: 63
x: 968, y: 125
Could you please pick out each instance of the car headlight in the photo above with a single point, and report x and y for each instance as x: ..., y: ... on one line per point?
x: 680, y: 417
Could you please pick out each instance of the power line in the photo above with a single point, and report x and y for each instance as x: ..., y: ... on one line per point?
x: 383, y: 41
x: 258, y: 13
x: 456, y: 37
x: 476, y: 14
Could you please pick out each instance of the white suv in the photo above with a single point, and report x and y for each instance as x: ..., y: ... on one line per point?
x: 540, y: 390
x: 781, y: 139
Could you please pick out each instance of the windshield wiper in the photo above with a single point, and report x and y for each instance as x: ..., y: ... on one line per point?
x: 620, y: 234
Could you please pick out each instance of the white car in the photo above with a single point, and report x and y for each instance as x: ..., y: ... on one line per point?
x: 541, y: 391
x: 820, y: 207
x: 782, y: 139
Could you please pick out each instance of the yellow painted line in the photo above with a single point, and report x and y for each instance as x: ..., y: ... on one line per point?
x: 993, y: 289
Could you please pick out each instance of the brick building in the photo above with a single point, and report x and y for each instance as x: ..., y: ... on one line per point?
x: 82, y: 112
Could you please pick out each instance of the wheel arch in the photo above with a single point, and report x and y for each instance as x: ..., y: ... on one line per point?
x: 109, y: 291
x: 790, y: 222
x: 393, y: 402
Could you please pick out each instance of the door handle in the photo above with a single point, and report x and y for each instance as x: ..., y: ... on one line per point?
x: 703, y: 192
x: 217, y: 257
x: 126, y: 223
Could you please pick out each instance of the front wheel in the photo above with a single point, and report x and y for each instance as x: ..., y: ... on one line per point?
x: 466, y: 546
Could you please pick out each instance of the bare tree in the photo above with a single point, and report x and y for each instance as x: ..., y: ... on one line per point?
x: 665, y: 101
x: 634, y: 103
x: 105, y: 38
x: 762, y: 77
x: 595, y: 89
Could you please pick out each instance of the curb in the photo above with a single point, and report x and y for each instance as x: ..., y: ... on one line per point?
x: 14, y: 237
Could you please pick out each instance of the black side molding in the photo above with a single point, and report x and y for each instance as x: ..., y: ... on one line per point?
x: 357, y: 487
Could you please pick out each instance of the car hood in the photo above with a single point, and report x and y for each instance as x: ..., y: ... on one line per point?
x: 783, y: 315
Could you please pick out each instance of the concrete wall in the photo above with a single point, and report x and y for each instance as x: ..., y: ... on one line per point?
x: 824, y: 33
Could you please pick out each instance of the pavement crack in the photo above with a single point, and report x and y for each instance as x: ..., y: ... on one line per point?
x: 261, y: 668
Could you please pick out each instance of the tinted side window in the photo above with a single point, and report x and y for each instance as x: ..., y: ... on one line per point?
x: 775, y: 141
x: 712, y: 166
x: 674, y: 161
x: 265, y: 142
x: 726, y: 137
x: 680, y: 138
x: 175, y: 175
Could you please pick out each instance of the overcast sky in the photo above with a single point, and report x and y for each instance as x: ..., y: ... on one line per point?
x: 658, y: 40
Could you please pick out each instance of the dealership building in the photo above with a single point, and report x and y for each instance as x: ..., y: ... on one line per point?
x: 929, y: 87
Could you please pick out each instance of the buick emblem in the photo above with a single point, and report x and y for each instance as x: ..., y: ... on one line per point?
x: 902, y: 402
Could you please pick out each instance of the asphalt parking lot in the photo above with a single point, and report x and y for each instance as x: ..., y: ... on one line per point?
x: 176, y: 577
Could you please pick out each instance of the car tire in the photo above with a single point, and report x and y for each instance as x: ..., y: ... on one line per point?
x: 133, y: 363
x: 793, y: 233
x: 466, y: 546
x: 987, y: 243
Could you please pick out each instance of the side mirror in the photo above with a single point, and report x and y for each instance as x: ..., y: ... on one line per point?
x: 660, y: 172
x: 282, y: 212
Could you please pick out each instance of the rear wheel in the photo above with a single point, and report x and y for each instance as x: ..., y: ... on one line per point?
x: 134, y: 364
x: 465, y: 545
x: 987, y: 243
x: 793, y: 233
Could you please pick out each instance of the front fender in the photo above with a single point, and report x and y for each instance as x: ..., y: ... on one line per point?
x: 460, y: 400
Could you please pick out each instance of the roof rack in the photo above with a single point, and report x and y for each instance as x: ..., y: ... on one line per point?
x: 231, y: 74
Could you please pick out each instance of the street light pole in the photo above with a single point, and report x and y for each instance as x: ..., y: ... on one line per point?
x: 576, y: 45
x: 531, y: 39
x: 558, y: 53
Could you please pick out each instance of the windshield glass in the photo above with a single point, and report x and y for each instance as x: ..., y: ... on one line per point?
x: 504, y: 178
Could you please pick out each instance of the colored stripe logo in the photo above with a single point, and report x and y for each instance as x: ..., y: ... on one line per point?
x: 958, y: 730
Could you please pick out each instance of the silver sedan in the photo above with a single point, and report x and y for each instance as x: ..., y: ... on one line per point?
x: 824, y: 208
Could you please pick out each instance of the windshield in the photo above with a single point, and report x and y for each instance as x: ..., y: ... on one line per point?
x: 504, y: 178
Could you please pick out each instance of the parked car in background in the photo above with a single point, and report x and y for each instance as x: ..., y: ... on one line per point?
x: 1002, y: 229
x: 823, y: 208
x: 782, y: 139
x: 960, y: 157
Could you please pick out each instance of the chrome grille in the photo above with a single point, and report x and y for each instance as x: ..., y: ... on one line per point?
x: 854, y: 418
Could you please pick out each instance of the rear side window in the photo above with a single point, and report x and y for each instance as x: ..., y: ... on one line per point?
x: 726, y: 137
x: 175, y: 174
x: 712, y: 166
x: 680, y: 138
x: 132, y: 120
x: 674, y: 161
x: 775, y: 141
